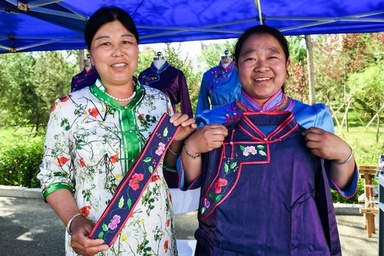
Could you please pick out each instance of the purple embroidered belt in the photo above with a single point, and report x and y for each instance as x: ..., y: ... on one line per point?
x: 120, y: 209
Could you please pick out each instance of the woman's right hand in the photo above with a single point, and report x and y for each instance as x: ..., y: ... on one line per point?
x: 207, y: 138
x: 81, y: 227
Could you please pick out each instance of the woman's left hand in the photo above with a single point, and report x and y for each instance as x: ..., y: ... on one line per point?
x: 188, y: 125
x: 326, y: 145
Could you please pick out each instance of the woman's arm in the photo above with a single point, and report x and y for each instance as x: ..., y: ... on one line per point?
x: 332, y: 148
x: 64, y: 205
x: 203, y: 140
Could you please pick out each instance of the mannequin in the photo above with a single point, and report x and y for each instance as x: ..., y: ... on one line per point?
x: 226, y: 59
x: 87, y: 64
x: 158, y: 60
x: 220, y: 85
x: 161, y: 75
x: 170, y: 80
x: 85, y: 78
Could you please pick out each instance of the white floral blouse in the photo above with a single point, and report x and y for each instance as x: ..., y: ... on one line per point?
x: 91, y: 142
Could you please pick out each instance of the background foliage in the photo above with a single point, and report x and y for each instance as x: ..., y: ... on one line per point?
x: 348, y: 76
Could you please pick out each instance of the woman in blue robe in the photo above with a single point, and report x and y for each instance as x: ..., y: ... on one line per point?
x: 265, y: 163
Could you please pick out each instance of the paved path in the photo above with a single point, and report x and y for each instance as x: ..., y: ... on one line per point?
x: 28, y: 226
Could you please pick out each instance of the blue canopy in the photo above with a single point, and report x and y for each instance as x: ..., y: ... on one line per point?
x: 58, y: 24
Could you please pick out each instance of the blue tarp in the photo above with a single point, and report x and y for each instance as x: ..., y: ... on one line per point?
x: 58, y: 25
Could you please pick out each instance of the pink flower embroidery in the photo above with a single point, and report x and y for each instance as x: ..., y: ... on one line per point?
x: 219, y: 184
x: 114, y: 221
x: 249, y: 150
x: 207, y: 204
x: 135, y: 180
x: 160, y: 149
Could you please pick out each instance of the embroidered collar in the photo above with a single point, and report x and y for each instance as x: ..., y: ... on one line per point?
x: 161, y: 69
x: 278, y: 102
x: 229, y: 68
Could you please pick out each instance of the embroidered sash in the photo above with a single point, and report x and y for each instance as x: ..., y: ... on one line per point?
x: 130, y: 189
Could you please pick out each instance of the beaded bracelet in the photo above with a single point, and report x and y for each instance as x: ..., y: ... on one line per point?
x: 348, y: 159
x: 189, y: 154
x: 70, y: 222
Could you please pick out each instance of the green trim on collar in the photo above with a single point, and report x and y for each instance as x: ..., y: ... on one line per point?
x: 99, y: 91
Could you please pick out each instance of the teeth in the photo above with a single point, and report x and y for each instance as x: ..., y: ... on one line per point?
x: 118, y: 65
x: 262, y: 79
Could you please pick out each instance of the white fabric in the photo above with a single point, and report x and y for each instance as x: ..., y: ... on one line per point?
x: 185, y: 201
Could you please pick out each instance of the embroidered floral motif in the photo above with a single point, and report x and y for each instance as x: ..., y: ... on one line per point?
x: 114, y: 222
x: 134, y: 183
x: 160, y: 149
x: 222, y: 184
x: 125, y: 199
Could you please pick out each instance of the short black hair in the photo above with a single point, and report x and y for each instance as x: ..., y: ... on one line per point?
x: 105, y: 15
x: 259, y: 30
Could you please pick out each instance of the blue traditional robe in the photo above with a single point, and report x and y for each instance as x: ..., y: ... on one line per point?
x: 219, y: 86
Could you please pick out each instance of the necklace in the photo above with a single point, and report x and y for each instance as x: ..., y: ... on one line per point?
x: 122, y: 99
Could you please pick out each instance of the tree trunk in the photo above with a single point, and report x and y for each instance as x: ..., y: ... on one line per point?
x: 311, y: 75
x: 81, y: 60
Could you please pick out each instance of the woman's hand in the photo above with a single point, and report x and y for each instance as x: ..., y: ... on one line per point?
x: 331, y: 147
x: 203, y: 140
x: 81, y: 227
x: 207, y: 138
x: 188, y: 125
x: 326, y: 145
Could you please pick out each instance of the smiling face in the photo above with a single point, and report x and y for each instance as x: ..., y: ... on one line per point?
x: 114, y: 52
x: 262, y: 67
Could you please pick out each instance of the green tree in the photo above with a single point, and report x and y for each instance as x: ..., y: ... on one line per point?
x: 31, y: 82
x: 367, y: 88
x: 297, y: 82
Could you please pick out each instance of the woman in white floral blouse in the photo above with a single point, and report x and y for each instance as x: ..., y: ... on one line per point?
x: 93, y: 137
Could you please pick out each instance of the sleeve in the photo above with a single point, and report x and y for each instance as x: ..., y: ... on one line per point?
x: 323, y: 118
x: 73, y: 83
x: 316, y: 115
x: 202, y: 100
x: 350, y: 191
x: 56, y: 170
x: 185, y: 100
x: 180, y: 170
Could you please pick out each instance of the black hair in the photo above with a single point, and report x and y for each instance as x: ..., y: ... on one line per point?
x: 105, y: 15
x: 258, y: 30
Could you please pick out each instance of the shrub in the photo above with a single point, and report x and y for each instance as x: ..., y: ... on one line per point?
x: 19, y: 160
